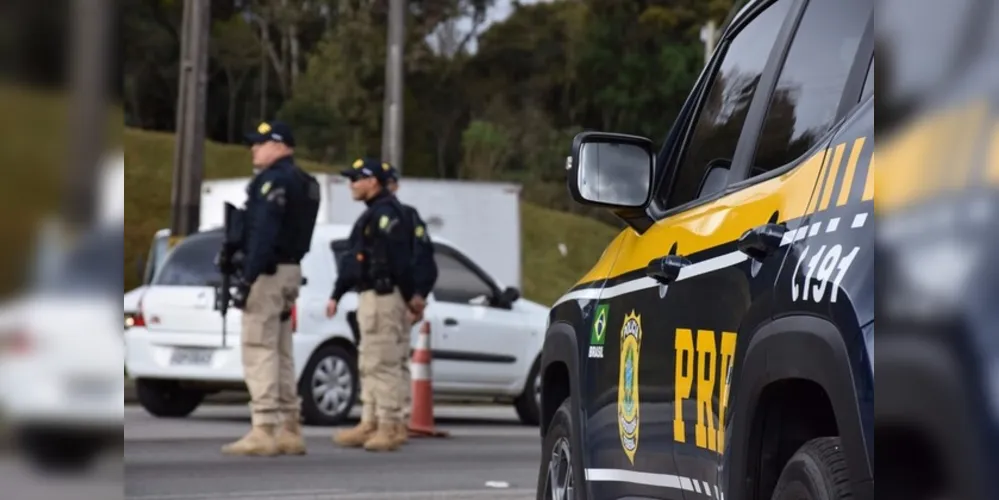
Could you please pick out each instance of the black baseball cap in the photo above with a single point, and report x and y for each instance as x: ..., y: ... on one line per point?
x: 367, y: 167
x: 271, y: 131
x: 392, y: 173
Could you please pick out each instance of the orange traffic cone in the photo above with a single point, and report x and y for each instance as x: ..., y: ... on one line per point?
x: 421, y: 417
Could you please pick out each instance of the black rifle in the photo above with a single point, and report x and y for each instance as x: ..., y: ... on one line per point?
x: 229, y: 261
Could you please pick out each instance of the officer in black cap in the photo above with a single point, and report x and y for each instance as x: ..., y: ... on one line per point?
x: 281, y: 208
x: 381, y: 270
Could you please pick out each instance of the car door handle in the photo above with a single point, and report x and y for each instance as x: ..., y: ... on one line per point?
x: 666, y: 269
x: 761, y: 241
x: 450, y: 322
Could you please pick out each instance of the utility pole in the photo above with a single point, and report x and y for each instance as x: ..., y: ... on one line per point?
x: 188, y: 166
x: 392, y: 122
x: 88, y: 115
x: 709, y: 35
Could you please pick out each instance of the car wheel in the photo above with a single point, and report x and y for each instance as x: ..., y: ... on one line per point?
x: 817, y: 471
x: 528, y: 404
x: 560, y: 477
x: 166, y: 398
x: 329, y: 386
x: 59, y: 452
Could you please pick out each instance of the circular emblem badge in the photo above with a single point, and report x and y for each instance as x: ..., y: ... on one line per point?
x: 627, y: 391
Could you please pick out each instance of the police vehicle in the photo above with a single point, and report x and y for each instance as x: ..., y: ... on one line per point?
x: 936, y: 419
x: 722, y: 346
x: 485, y: 339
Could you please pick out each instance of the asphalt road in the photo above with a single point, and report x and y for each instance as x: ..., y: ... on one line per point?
x: 180, y: 460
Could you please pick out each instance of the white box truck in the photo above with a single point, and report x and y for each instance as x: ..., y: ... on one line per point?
x: 483, y: 218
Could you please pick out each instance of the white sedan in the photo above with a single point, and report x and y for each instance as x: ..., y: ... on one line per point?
x: 485, y: 339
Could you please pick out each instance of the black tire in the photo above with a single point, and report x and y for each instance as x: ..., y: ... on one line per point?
x: 312, y: 412
x: 561, y: 433
x: 817, y: 471
x: 526, y: 404
x: 166, y: 398
x: 59, y: 452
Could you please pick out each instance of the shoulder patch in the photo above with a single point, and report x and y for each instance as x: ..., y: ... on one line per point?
x: 265, y: 188
x: 420, y: 231
x: 383, y: 222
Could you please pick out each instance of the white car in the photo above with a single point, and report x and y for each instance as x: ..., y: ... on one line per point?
x: 486, y: 340
x: 60, y: 350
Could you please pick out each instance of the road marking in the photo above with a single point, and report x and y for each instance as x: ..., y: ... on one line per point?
x: 833, y: 224
x: 859, y: 220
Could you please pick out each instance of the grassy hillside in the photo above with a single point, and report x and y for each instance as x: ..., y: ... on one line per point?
x: 148, y: 180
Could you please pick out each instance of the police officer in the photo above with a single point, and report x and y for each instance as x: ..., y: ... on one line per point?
x: 424, y: 277
x: 382, y: 273
x: 281, y: 207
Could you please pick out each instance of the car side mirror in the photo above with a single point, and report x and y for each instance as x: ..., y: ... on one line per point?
x: 509, y: 296
x: 611, y: 170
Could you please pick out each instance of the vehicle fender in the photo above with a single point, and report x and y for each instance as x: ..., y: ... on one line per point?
x: 561, y: 347
x: 797, y: 347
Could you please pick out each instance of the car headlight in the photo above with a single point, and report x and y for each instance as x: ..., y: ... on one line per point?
x: 129, y: 320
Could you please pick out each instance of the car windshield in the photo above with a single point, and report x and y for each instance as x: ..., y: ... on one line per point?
x: 192, y: 262
x: 92, y: 265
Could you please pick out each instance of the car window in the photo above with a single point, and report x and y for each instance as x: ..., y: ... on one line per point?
x: 157, y: 253
x: 192, y: 262
x: 456, y: 282
x: 93, y: 265
x: 725, y: 105
x: 810, y: 86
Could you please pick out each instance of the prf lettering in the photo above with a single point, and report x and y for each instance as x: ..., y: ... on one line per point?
x: 706, y: 365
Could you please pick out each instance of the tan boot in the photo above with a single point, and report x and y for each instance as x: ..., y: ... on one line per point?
x: 357, y: 436
x: 401, y: 434
x: 258, y: 442
x: 289, y: 438
x: 384, y: 439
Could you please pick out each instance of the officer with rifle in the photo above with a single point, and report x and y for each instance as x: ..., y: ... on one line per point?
x: 280, y: 216
x: 424, y: 278
x: 382, y: 272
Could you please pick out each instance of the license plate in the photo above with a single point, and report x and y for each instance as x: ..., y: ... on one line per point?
x: 196, y: 357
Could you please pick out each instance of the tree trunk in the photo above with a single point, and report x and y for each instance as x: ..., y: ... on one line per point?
x: 265, y: 42
x: 231, y: 121
x: 293, y: 60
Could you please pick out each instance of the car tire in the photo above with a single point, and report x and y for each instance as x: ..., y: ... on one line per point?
x: 166, y: 398
x: 330, y: 372
x: 528, y: 404
x: 560, y: 467
x: 59, y: 452
x: 817, y: 471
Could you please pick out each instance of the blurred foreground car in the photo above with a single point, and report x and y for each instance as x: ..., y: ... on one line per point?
x: 486, y: 340
x: 61, y: 391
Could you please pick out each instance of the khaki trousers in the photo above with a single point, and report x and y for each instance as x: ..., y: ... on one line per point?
x: 268, y: 359
x: 382, y: 321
